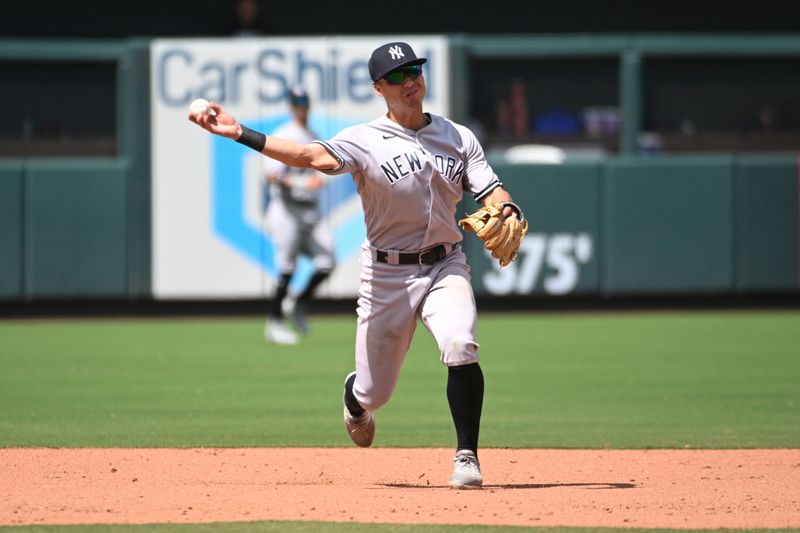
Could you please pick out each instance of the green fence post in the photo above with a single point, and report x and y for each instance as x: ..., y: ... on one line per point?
x: 134, y: 135
x: 630, y: 100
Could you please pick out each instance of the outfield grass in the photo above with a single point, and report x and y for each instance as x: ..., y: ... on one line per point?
x: 617, y: 380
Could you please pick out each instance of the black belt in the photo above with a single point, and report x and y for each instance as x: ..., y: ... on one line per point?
x: 426, y: 257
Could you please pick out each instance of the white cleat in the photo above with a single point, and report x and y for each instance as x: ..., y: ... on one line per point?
x: 276, y: 331
x: 466, y: 471
x: 360, y: 428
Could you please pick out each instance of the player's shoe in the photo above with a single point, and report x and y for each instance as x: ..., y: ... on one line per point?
x: 466, y: 471
x: 278, y: 332
x: 360, y: 428
x: 296, y: 310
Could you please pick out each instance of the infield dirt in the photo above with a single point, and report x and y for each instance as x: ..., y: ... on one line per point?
x: 611, y: 488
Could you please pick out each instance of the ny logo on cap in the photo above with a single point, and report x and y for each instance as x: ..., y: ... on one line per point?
x: 396, y: 52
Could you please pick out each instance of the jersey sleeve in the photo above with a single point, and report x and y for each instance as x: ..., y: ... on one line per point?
x: 349, y: 148
x: 480, y: 178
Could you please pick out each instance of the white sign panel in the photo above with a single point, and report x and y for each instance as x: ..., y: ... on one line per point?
x: 209, y: 195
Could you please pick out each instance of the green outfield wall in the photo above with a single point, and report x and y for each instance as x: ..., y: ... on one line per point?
x: 680, y: 225
x: 77, y: 226
x: 627, y: 224
x: 765, y: 223
x: 11, y: 229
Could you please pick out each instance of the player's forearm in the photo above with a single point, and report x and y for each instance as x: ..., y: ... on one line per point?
x: 287, y: 152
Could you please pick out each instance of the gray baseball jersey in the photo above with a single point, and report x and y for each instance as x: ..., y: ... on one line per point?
x: 293, y: 216
x: 410, y: 183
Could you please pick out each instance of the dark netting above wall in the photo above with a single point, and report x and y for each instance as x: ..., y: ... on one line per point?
x: 58, y: 109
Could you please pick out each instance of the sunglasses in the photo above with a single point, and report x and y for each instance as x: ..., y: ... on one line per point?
x: 396, y: 77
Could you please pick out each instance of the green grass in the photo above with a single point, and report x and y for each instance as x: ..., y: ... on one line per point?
x: 618, y: 380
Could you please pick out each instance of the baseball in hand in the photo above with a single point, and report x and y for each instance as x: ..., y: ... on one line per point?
x: 200, y: 107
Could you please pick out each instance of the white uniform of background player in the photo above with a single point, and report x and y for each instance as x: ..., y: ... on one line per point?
x: 296, y: 225
x: 411, y: 169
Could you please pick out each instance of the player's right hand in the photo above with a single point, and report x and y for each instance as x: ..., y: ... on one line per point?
x: 219, y: 123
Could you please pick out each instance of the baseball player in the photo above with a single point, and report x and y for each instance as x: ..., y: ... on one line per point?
x: 410, y: 169
x: 296, y: 225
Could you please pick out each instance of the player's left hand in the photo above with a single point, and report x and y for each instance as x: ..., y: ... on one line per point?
x: 502, y: 235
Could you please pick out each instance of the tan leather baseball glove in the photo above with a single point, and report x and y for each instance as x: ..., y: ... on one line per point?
x: 501, y: 237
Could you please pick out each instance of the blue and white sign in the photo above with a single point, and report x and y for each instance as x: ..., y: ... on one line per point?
x: 209, y: 194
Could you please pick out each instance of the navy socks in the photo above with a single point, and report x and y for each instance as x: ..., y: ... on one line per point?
x: 465, y: 396
x: 349, y: 400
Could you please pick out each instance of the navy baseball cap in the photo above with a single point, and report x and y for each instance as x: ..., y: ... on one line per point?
x: 298, y: 97
x: 392, y: 56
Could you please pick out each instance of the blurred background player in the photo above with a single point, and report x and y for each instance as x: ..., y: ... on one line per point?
x: 296, y: 224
